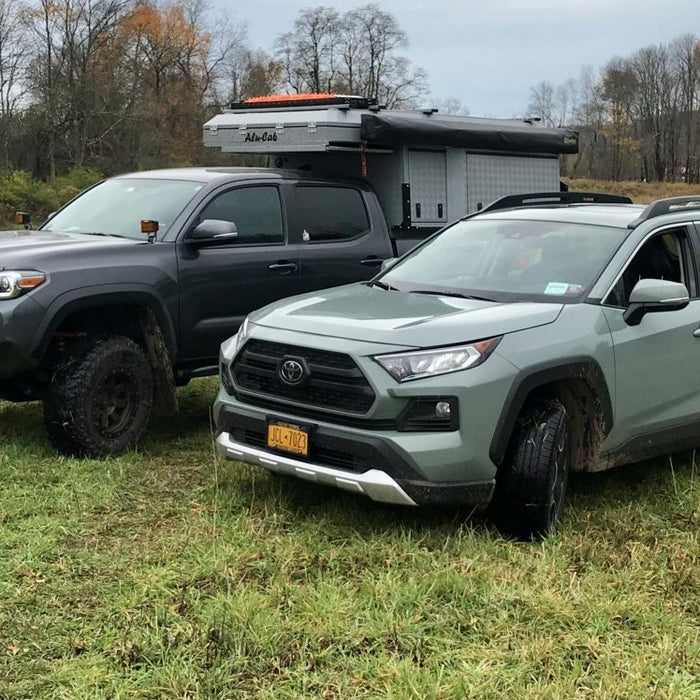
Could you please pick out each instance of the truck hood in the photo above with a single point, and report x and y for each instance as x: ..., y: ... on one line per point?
x: 29, y: 249
x: 360, y: 312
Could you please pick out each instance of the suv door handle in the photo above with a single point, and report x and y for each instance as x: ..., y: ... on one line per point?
x: 371, y: 262
x: 283, y: 267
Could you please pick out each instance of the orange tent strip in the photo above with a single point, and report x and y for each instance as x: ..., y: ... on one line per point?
x: 305, y: 96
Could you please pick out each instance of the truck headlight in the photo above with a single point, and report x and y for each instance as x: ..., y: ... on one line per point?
x: 405, y: 366
x: 13, y: 283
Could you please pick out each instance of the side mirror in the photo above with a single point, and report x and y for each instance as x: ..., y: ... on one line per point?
x: 654, y: 296
x: 387, y: 263
x: 212, y: 232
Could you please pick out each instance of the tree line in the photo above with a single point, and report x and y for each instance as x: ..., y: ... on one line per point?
x: 117, y: 85
x: 638, y: 117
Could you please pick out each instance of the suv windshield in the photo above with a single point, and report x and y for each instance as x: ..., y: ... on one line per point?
x: 116, y: 207
x: 507, y: 260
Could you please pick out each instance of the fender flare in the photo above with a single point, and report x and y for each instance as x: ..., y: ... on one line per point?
x: 103, y: 295
x: 584, y: 368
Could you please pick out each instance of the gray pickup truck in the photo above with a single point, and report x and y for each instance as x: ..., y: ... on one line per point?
x: 549, y: 332
x: 130, y: 288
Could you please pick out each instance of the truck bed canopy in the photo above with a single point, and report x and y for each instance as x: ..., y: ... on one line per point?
x: 396, y: 128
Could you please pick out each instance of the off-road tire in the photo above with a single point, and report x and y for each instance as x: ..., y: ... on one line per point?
x: 531, y: 485
x: 100, y: 397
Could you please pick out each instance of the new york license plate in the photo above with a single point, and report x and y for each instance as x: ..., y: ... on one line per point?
x: 290, y: 438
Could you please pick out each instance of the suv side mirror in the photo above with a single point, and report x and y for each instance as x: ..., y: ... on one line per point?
x: 387, y: 263
x: 212, y: 232
x: 653, y: 296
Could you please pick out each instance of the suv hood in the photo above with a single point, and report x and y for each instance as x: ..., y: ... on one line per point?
x: 360, y: 312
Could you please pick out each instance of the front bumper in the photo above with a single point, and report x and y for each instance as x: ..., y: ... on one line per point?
x: 19, y: 320
x: 363, y: 462
x: 376, y: 484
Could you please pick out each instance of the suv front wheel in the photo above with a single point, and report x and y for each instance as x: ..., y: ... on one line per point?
x: 531, y: 485
x: 100, y: 398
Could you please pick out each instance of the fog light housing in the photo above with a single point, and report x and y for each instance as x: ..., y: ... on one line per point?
x: 225, y: 377
x: 430, y: 414
x: 443, y: 409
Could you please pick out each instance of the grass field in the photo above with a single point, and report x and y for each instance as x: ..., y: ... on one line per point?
x: 168, y: 574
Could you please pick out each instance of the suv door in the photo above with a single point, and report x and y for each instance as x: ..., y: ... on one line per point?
x: 338, y: 243
x: 221, y: 283
x: 657, y: 389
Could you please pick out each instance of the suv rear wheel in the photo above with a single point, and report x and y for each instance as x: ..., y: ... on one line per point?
x: 100, y: 398
x: 531, y: 485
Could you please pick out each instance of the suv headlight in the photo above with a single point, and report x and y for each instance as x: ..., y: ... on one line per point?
x: 241, y: 336
x: 405, y: 366
x: 13, y: 283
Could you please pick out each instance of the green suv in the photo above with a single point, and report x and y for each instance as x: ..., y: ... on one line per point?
x: 547, y: 333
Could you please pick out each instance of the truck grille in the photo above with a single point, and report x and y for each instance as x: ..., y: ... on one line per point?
x: 333, y: 381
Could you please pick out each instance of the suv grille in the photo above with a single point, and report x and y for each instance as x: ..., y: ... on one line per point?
x: 334, y: 380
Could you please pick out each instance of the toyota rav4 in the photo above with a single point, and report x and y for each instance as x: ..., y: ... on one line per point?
x: 547, y: 333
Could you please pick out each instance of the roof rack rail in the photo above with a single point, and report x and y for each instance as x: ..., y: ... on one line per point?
x: 539, y: 198
x: 665, y: 206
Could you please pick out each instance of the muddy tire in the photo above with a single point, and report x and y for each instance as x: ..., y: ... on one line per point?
x: 531, y: 485
x: 100, y: 398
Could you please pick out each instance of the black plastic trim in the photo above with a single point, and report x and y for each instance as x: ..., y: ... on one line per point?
x: 675, y: 438
x: 476, y: 494
x: 667, y: 206
x: 539, y: 375
x: 543, y: 199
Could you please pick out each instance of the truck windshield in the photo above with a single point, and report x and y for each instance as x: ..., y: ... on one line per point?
x: 506, y: 260
x: 117, y: 207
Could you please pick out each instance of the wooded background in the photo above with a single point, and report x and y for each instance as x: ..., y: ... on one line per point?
x: 118, y: 85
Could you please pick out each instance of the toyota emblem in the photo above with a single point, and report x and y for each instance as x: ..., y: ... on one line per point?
x: 291, y: 371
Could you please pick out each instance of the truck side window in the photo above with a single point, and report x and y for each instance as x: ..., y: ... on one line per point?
x: 256, y: 211
x: 329, y: 213
x: 664, y: 257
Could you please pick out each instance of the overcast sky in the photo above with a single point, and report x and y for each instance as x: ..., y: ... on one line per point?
x: 489, y: 53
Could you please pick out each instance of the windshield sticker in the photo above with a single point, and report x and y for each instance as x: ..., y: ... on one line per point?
x: 562, y: 288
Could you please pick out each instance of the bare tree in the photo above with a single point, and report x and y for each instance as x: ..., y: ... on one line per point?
x: 450, y: 105
x: 541, y: 103
x: 686, y: 56
x: 13, y: 53
x: 357, y: 52
x: 308, y: 53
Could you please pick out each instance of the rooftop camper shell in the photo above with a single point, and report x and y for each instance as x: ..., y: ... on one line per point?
x: 426, y: 169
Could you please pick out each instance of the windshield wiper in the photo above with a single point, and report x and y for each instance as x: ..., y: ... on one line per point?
x: 100, y: 233
x: 459, y: 295
x: 383, y: 285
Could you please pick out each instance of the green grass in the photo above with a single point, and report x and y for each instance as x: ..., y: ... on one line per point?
x: 169, y: 574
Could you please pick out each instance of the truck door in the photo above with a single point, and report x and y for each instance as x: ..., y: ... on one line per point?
x: 220, y: 284
x: 341, y: 240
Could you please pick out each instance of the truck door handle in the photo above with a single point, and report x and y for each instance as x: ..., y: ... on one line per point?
x: 696, y: 333
x: 283, y: 267
x: 371, y: 262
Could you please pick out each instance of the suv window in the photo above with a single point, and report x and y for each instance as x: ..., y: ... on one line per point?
x: 331, y: 213
x: 665, y: 256
x: 256, y: 211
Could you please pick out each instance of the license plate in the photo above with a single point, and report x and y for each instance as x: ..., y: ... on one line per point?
x: 290, y: 438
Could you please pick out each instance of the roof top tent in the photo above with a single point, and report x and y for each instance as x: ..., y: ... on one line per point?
x: 427, y: 169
